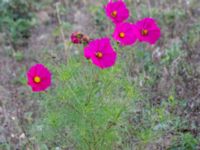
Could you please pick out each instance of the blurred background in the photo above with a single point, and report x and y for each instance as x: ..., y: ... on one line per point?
x: 33, y: 31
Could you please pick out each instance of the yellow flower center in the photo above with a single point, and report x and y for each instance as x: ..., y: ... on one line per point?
x: 145, y: 32
x: 114, y: 14
x: 99, y: 55
x: 37, y: 79
x: 121, y: 34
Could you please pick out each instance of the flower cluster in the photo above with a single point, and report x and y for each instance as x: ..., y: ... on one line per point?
x: 100, y: 51
x: 125, y: 33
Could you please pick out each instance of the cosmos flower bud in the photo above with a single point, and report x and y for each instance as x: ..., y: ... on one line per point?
x: 79, y: 38
x: 76, y: 37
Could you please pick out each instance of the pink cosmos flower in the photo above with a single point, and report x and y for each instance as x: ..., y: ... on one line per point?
x: 101, y: 53
x: 125, y: 34
x: 116, y: 11
x: 39, y: 78
x: 149, y: 30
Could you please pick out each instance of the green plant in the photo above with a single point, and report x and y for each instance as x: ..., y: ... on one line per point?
x: 92, y: 109
x: 16, y: 18
x: 19, y: 56
x: 87, y: 106
x: 185, y: 141
x: 151, y: 123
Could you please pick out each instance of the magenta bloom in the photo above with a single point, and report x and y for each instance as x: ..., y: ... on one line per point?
x: 117, y: 11
x: 125, y: 34
x: 149, y: 30
x: 39, y: 78
x: 101, y: 53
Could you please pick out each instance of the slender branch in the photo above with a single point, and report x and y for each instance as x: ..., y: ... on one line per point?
x: 61, y: 29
